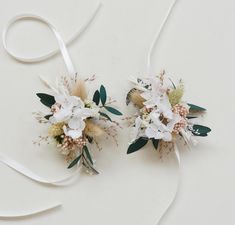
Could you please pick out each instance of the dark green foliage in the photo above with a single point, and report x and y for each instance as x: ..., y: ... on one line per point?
x: 199, y: 130
x: 196, y: 108
x: 74, y: 162
x: 96, y: 97
x: 137, y: 145
x: 155, y: 143
x: 113, y: 110
x: 47, y: 100
x: 105, y: 115
x: 103, y: 94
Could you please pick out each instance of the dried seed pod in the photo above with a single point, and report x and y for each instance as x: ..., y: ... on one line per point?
x: 135, y: 97
x: 92, y: 129
x: 79, y: 89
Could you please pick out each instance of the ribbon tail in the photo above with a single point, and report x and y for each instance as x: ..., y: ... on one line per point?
x: 171, y: 203
x: 28, y: 213
x: 149, y: 69
x: 33, y: 176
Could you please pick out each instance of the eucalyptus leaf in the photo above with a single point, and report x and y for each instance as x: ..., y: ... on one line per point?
x: 199, y: 130
x: 113, y: 110
x: 93, y: 170
x: 105, y: 115
x: 173, y: 84
x: 88, y: 155
x: 47, y: 100
x: 191, y: 117
x: 74, y: 162
x: 137, y: 145
x: 103, y: 94
x: 87, y: 164
x: 195, y: 108
x: 155, y: 143
x: 96, y: 97
x: 47, y: 117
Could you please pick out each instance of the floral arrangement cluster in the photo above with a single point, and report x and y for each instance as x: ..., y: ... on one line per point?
x: 162, y: 114
x: 75, y: 121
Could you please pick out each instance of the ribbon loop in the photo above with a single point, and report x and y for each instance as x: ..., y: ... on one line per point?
x: 62, y: 45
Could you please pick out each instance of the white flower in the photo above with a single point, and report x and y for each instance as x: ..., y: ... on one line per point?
x: 72, y: 111
x: 65, y: 106
x: 157, y: 129
x: 92, y: 105
x: 135, y: 131
x: 75, y: 127
x: 157, y: 98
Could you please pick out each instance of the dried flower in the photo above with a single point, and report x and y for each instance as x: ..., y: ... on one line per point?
x: 176, y: 94
x: 56, y: 129
x: 79, y: 89
x: 92, y: 129
x: 180, y: 109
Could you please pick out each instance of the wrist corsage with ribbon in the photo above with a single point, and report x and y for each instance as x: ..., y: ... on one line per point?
x: 75, y: 121
x: 162, y: 115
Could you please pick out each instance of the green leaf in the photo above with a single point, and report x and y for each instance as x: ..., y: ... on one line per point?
x: 137, y: 145
x: 173, y: 84
x: 113, y: 111
x: 47, y: 100
x: 90, y: 168
x: 47, y: 117
x: 199, y: 130
x: 74, y: 162
x: 105, y: 115
x: 90, y: 139
x: 103, y: 95
x: 155, y: 143
x: 96, y: 97
x: 88, y: 154
x: 191, y: 117
x: 196, y: 108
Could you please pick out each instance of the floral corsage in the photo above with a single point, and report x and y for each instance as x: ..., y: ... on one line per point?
x: 162, y: 114
x: 75, y: 121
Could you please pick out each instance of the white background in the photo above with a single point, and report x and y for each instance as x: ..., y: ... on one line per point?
x: 198, y: 45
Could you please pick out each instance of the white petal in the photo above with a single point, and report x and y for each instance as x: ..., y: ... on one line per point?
x: 72, y: 133
x: 76, y: 123
x: 62, y: 115
x: 60, y: 99
x: 76, y: 101
x: 167, y: 136
x: 150, y: 133
x: 175, y: 120
x: 136, y: 129
x: 83, y: 113
x: 138, y: 122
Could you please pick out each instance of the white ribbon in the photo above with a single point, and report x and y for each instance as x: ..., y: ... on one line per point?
x: 33, y: 176
x: 149, y: 68
x: 62, y: 45
x: 171, y: 203
x: 71, y: 72
x: 29, y: 212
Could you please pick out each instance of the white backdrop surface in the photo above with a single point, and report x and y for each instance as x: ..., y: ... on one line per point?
x: 197, y: 45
